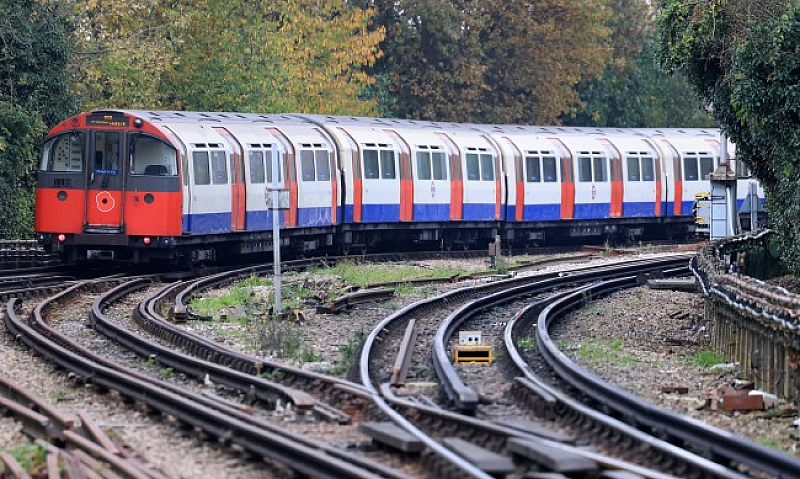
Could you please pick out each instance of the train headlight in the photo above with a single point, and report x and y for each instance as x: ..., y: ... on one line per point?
x: 146, y: 240
x: 62, y: 237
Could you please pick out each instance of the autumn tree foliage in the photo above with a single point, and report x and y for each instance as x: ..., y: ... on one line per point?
x: 35, y: 49
x: 243, y: 55
x: 506, y: 61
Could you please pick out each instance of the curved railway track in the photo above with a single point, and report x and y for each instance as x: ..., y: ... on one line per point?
x: 628, y: 437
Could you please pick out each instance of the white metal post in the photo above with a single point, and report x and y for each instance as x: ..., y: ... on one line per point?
x: 276, y: 228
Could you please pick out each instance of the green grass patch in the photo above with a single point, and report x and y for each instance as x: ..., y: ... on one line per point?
x: 32, y: 457
x: 605, y: 352
x: 239, y: 294
x: 365, y: 274
x: 706, y: 358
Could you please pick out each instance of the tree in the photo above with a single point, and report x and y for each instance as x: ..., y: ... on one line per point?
x: 35, y: 50
x: 742, y: 57
x: 501, y: 61
x: 125, y: 50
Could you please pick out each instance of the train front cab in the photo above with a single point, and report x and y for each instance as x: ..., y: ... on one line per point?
x: 108, y: 187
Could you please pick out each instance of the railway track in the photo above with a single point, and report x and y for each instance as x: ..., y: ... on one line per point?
x: 605, y: 431
x: 217, y: 418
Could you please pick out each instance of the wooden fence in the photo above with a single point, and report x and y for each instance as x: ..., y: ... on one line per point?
x: 754, y: 323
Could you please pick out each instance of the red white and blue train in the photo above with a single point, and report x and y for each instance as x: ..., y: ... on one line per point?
x: 147, y: 186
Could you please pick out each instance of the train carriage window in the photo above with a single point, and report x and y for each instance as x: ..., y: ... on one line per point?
x: 218, y: 167
x: 257, y: 173
x: 202, y: 174
x: 584, y: 169
x: 424, y: 165
x: 371, y: 169
x: 152, y: 157
x: 439, y: 164
x: 473, y: 167
x: 549, y: 169
x: 387, y: 165
x: 634, y: 173
x: 600, y: 169
x: 532, y: 166
x: 487, y: 167
x: 690, y: 171
x: 648, y: 170
x: 706, y: 167
x: 323, y: 160
x: 307, y: 164
x: 63, y: 153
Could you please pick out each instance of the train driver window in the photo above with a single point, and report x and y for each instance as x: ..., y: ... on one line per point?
x: 307, y: 164
x: 690, y: 171
x: 152, y: 157
x: 202, y: 174
x: 549, y: 169
x: 218, y: 167
x: 487, y: 167
x: 533, y: 169
x: 648, y: 170
x: 371, y: 169
x: 706, y: 167
x: 387, y: 164
x: 634, y: 174
x: 63, y: 153
x: 473, y: 167
x: 424, y: 165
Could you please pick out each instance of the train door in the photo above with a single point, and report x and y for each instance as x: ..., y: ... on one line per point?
x: 381, y: 183
x: 406, y: 178
x: 432, y: 189
x: 481, y: 201
x: 542, y: 190
x: 456, y: 178
x: 567, y: 180
x: 315, y: 186
x: 290, y: 177
x: 238, y: 188
x: 104, y: 191
x: 617, y: 188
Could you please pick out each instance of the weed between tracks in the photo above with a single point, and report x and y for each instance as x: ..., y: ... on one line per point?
x: 32, y: 457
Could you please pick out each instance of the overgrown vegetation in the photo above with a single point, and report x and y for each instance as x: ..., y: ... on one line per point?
x: 741, y: 57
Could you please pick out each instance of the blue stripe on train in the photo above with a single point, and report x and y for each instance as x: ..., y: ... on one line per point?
x: 636, y: 209
x: 478, y: 211
x: 207, y: 223
x: 432, y: 212
x: 542, y: 212
x: 585, y: 211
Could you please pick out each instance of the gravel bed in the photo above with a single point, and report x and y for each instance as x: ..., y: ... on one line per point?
x: 642, y: 340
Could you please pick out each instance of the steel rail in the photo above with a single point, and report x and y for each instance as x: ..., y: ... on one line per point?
x: 645, y: 415
x: 149, y: 319
x: 296, y: 456
x: 465, y: 398
x: 246, y: 383
x: 257, y: 436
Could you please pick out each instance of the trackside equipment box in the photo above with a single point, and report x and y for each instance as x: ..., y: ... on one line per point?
x: 470, y: 348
